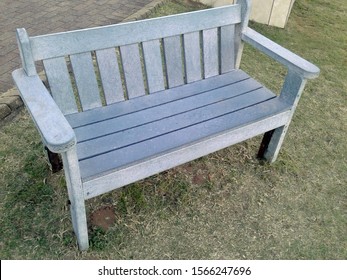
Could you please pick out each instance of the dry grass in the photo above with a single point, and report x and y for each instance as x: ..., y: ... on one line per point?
x: 224, y: 206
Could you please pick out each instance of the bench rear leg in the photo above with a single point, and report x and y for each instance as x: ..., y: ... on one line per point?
x: 291, y: 92
x: 76, y: 196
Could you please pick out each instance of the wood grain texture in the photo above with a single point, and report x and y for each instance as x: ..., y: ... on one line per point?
x: 306, y: 69
x: 85, y: 78
x: 208, y: 105
x: 173, y: 61
x: 149, y: 101
x: 153, y: 65
x: 190, y: 103
x: 76, y: 197
x: 60, y: 84
x: 25, y: 52
x: 132, y: 133
x: 110, y: 75
x: 55, y: 131
x: 211, y: 52
x: 192, y: 56
x: 86, y: 40
x: 132, y: 68
x: 113, y: 179
x: 291, y: 92
x: 227, y: 48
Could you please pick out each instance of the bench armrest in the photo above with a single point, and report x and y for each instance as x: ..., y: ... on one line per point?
x: 55, y: 130
x: 294, y: 62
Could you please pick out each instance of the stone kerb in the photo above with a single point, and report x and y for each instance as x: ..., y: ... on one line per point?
x: 10, y: 105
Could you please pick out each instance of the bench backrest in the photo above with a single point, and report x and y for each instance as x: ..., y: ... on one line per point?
x: 99, y: 66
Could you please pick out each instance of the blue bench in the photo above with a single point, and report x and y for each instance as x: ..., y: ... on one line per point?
x: 127, y: 101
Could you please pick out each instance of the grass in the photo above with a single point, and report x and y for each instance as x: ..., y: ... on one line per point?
x: 227, y: 205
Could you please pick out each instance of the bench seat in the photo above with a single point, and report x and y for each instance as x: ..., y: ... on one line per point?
x: 164, y: 129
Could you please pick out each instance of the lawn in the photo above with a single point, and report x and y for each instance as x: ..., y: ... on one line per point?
x: 228, y: 205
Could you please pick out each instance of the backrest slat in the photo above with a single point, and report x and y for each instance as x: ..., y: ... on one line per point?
x: 227, y: 46
x: 85, y: 78
x: 66, y: 43
x: 60, y: 84
x: 110, y: 75
x: 173, y: 61
x: 132, y: 69
x: 123, y: 61
x: 153, y: 65
x: 192, y: 56
x: 211, y: 52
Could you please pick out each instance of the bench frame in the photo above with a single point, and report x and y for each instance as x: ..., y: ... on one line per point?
x: 60, y: 137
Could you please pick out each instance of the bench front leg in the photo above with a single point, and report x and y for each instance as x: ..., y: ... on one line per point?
x: 76, y: 196
x: 291, y: 92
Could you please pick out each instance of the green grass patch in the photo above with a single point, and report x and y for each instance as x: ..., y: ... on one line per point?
x: 227, y: 205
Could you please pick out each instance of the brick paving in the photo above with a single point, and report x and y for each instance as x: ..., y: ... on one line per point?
x: 46, y: 16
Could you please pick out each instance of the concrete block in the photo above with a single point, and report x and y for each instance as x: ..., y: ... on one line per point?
x: 13, y: 102
x: 4, y: 111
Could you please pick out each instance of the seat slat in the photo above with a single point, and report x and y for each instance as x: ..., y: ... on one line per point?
x: 85, y: 78
x: 227, y: 48
x: 132, y: 70
x: 180, y: 138
x: 110, y: 75
x: 169, y: 124
x: 165, y: 110
x: 152, y: 100
x: 210, y: 48
x: 192, y: 54
x: 60, y: 84
x: 173, y: 61
x: 153, y: 65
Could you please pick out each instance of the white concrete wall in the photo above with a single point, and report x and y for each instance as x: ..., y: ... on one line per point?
x: 271, y: 12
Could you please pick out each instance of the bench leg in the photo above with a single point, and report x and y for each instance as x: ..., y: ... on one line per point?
x: 291, y: 92
x: 271, y: 144
x: 76, y: 196
x: 54, y: 160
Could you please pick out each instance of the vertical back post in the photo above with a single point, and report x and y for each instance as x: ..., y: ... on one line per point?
x: 245, y: 13
x: 25, y: 52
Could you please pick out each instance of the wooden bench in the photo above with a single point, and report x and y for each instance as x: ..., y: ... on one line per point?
x: 127, y: 101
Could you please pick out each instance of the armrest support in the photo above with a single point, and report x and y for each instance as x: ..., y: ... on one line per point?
x: 55, y: 130
x: 294, y: 62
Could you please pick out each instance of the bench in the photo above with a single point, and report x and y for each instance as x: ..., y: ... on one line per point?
x: 130, y: 100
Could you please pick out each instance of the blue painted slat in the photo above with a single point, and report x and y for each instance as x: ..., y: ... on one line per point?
x: 152, y: 100
x: 132, y: 70
x: 139, y: 133
x: 211, y: 52
x: 62, y: 44
x: 153, y: 65
x: 227, y: 48
x: 167, y: 109
x: 60, y: 84
x: 173, y: 61
x: 110, y: 75
x: 87, y: 86
x: 178, y: 138
x: 192, y: 55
